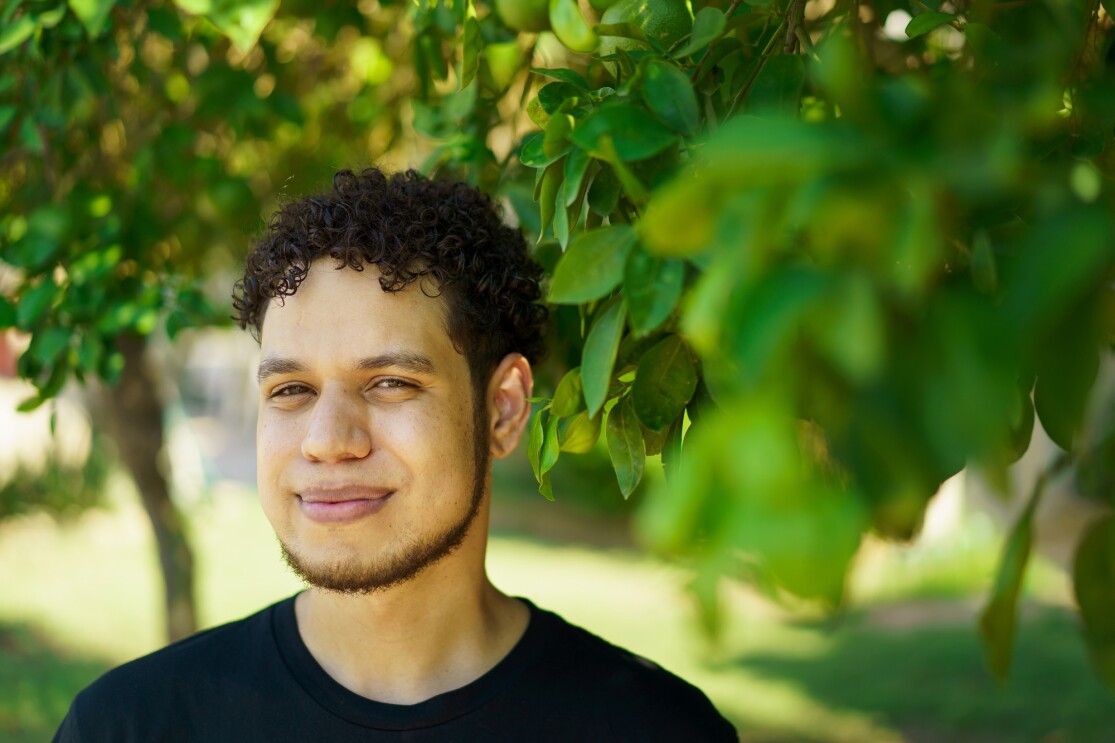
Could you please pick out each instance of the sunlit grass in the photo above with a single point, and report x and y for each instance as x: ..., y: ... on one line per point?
x: 92, y: 591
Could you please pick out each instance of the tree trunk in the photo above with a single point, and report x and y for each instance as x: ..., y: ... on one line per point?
x: 136, y: 414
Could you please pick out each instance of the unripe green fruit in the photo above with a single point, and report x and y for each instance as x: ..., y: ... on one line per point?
x: 524, y: 15
x: 663, y: 22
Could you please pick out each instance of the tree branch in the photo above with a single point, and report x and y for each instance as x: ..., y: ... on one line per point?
x: 727, y: 15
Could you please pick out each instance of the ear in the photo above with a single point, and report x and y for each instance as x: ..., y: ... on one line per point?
x: 509, y: 391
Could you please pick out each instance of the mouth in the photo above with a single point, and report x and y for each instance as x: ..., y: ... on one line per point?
x: 341, y: 505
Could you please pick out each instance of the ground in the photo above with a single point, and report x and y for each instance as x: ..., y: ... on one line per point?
x: 904, y: 665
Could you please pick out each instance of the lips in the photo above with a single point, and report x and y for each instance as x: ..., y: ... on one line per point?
x: 337, y: 505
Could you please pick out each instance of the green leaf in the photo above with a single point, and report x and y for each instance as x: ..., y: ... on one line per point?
x: 537, y: 114
x: 533, y: 154
x: 778, y: 87
x: 1067, y: 366
x: 30, y: 404
x: 34, y: 304
x: 635, y: 134
x: 603, y: 194
x: 534, y: 442
x: 112, y: 367
x: 470, y: 57
x: 985, y: 274
x: 1059, y: 260
x: 568, y: 398
x: 592, y: 266
x: 599, y: 355
x: 242, y: 21
x: 665, y: 383
x: 576, y: 165
x: 551, y: 446
x: 548, y: 195
x: 176, y: 322
x: 632, y: 186
x: 625, y: 447
x: 681, y: 217
x: 579, y: 434
x: 561, y: 217
x: 997, y: 621
x: 16, y: 32
x: 90, y: 352
x: 669, y: 94
x: 671, y: 450
x: 59, y: 373
x: 1093, y: 578
x: 7, y: 313
x: 555, y: 140
x: 770, y: 317
x: 850, y: 328
x: 165, y: 22
x: 566, y: 76
x: 570, y: 26
x: 430, y: 42
x: 926, y: 22
x: 47, y: 344
x: 7, y: 116
x: 93, y: 14
x: 653, y: 441
x: 707, y: 25
x: 559, y: 96
x: 652, y: 287
x: 51, y: 18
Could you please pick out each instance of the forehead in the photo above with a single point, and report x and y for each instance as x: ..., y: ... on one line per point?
x: 346, y: 313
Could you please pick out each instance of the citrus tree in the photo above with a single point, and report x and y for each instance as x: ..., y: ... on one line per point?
x: 139, y: 140
x: 817, y: 256
x: 834, y: 252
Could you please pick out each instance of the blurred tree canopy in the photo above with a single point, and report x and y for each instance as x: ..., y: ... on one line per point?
x: 818, y: 255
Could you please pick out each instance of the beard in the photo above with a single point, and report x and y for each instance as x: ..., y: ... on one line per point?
x: 361, y: 578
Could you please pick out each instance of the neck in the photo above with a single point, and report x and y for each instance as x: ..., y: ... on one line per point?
x: 435, y: 633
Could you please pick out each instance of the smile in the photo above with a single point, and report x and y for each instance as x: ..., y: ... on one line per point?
x: 342, y: 505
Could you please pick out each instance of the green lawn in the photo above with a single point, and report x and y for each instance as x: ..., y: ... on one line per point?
x: 904, y: 666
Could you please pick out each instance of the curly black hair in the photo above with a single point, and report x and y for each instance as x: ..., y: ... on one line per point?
x: 408, y: 226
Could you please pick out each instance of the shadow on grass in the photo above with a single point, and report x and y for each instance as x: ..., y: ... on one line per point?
x: 37, y: 684
x: 931, y: 683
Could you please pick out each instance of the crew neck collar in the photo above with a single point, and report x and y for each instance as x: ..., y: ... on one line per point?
x: 436, y: 710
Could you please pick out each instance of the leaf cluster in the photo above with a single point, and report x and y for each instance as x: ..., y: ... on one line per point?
x: 817, y: 256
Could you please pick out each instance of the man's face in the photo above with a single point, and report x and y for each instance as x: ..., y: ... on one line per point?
x: 372, y: 456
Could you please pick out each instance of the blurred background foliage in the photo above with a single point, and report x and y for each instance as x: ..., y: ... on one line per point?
x: 814, y: 256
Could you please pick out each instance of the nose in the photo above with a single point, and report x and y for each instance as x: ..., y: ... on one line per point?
x: 339, y: 429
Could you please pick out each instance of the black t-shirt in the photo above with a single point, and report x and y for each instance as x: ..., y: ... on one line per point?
x: 255, y: 680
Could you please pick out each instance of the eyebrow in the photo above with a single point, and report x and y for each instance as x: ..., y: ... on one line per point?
x: 407, y: 361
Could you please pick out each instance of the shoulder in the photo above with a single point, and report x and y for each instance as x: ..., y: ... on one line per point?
x: 625, y: 692
x: 207, y: 652
x: 157, y: 686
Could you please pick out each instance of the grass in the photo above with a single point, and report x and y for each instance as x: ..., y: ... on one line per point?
x: 37, y: 683
x: 905, y: 666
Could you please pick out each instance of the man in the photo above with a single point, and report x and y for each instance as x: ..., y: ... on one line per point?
x: 398, y: 320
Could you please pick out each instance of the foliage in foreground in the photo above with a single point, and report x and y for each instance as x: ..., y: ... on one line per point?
x: 832, y: 251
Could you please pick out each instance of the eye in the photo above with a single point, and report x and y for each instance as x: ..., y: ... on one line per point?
x: 392, y: 383
x: 290, y: 390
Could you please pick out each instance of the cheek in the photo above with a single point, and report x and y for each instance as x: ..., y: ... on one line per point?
x: 435, y: 440
x: 275, y: 441
x: 272, y: 451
